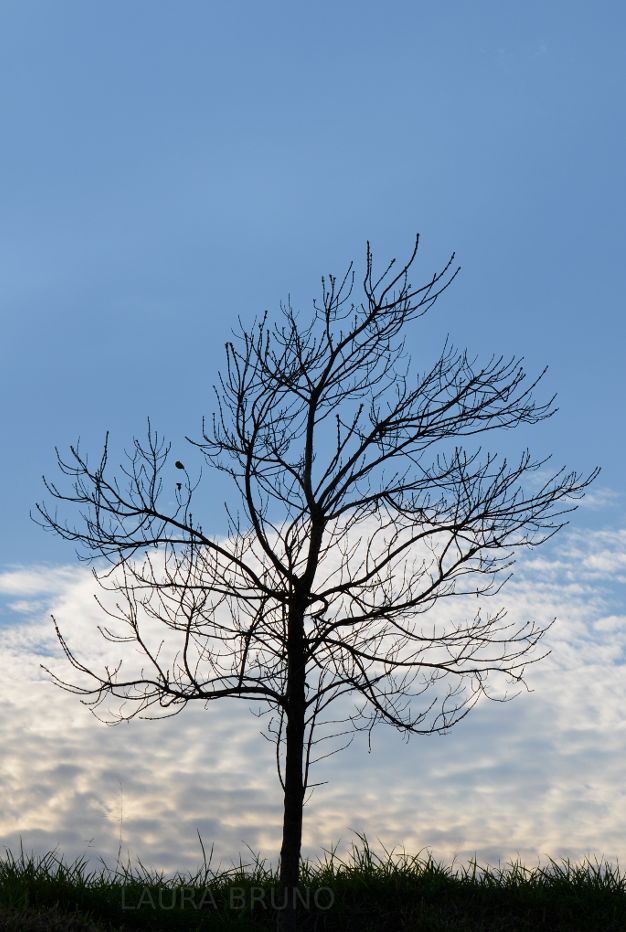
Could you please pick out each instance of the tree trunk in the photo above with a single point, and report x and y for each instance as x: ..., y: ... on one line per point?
x: 294, y: 778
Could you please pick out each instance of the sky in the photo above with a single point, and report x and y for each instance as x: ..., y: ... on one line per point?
x: 166, y: 169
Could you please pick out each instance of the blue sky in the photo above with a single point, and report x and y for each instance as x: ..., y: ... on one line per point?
x: 168, y: 167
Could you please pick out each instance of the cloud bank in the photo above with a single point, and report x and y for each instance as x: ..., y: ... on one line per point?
x: 541, y: 775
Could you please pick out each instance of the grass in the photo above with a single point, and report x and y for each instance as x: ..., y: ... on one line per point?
x: 364, y: 893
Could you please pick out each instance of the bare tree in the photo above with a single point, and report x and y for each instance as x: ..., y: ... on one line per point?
x: 362, y: 510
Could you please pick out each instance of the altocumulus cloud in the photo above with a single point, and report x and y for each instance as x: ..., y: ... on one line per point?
x: 542, y: 775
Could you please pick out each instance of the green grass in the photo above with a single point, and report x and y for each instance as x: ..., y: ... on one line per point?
x: 369, y: 893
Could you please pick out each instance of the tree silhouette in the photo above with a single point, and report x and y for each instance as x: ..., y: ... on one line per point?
x: 363, y: 508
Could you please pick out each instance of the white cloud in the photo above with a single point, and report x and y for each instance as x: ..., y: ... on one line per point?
x: 611, y: 623
x: 26, y: 581
x: 542, y: 775
x: 26, y: 606
x: 597, y: 498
